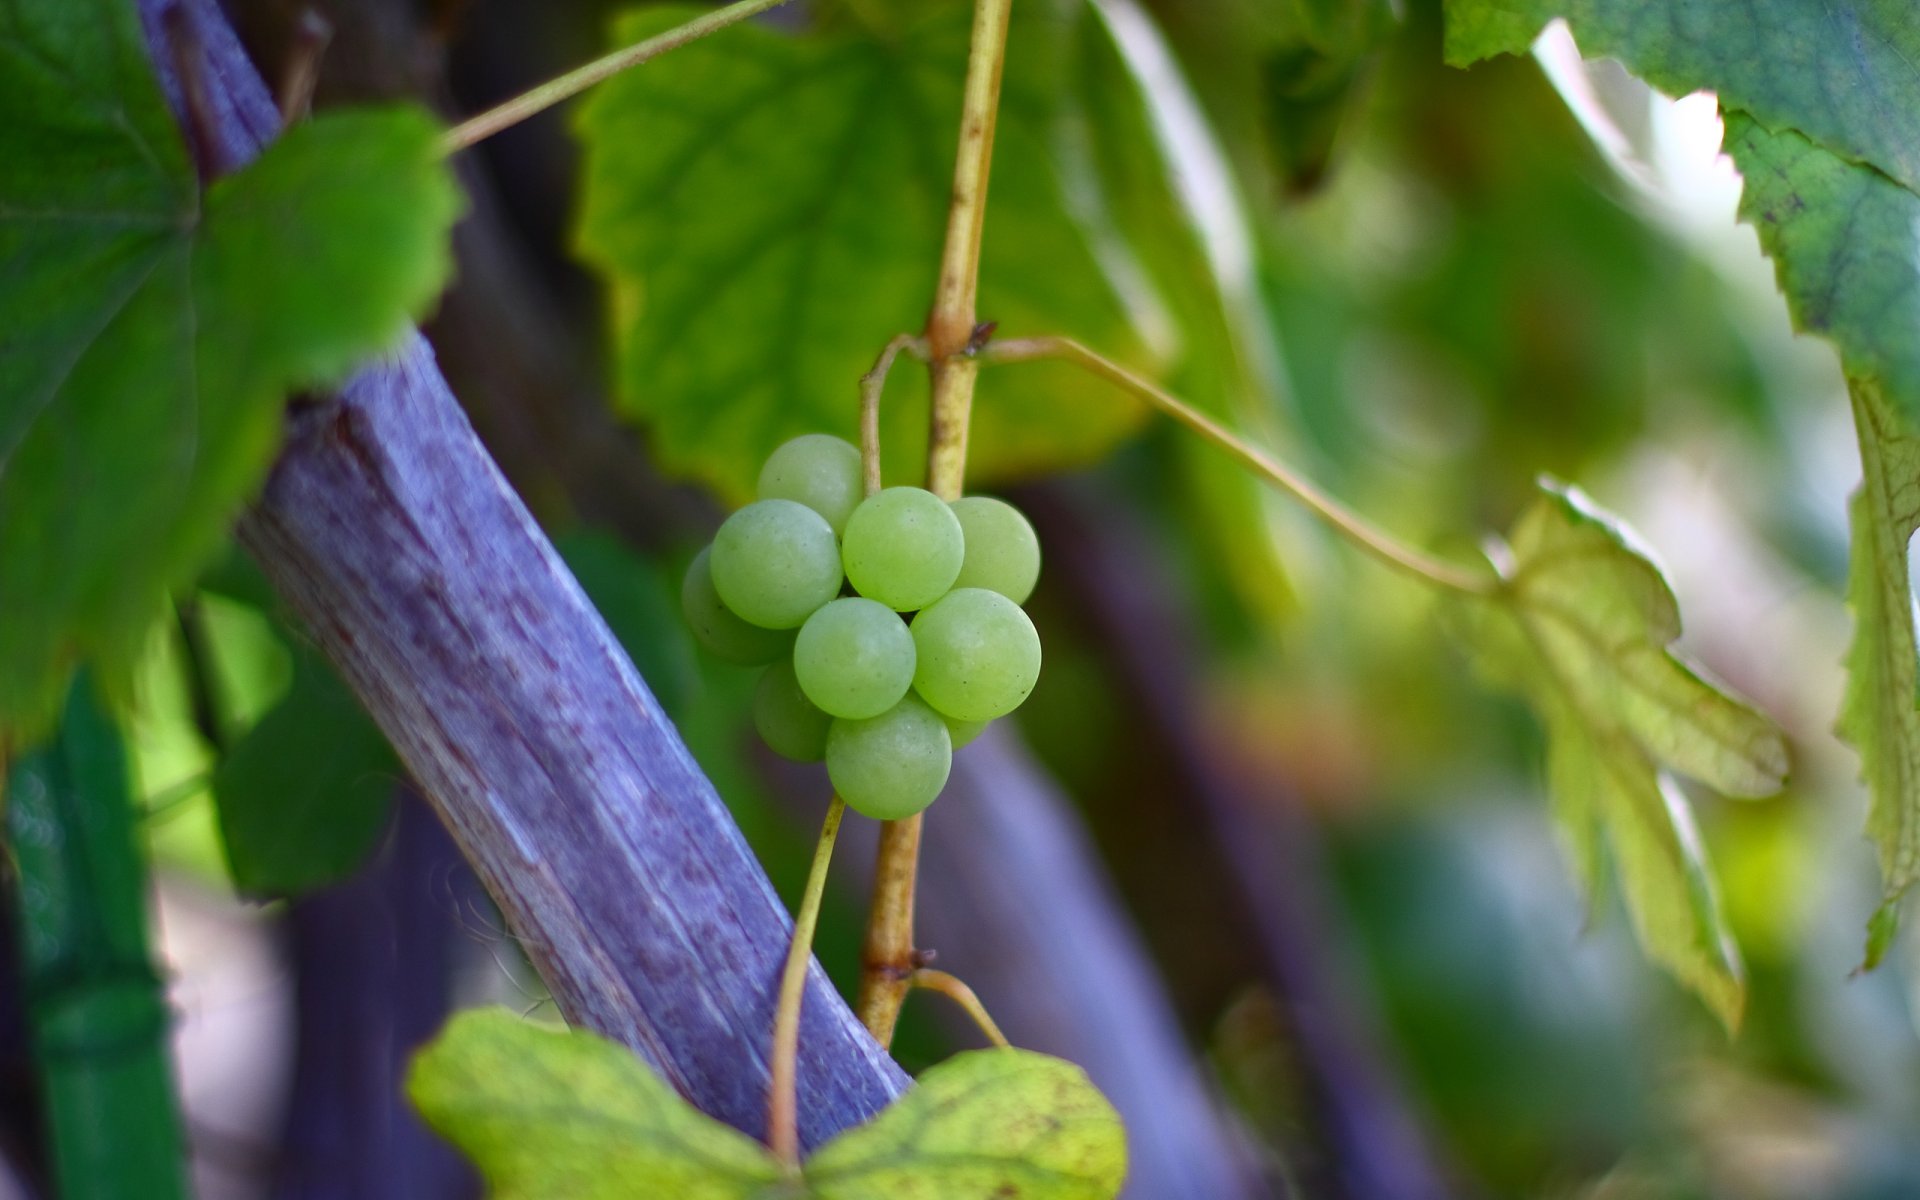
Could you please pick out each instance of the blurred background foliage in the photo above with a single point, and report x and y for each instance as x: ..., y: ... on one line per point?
x: 1450, y: 283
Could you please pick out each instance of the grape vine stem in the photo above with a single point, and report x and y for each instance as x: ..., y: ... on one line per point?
x: 783, y: 1112
x: 887, y: 959
x: 566, y: 87
x: 1349, y: 524
x: 956, y: 990
x: 872, y: 384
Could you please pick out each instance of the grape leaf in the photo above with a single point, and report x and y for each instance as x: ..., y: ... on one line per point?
x: 150, y: 332
x: 1581, y: 625
x: 1846, y: 251
x: 1822, y: 109
x: 982, y: 1125
x: 1846, y: 73
x: 546, y: 1112
x: 1845, y: 243
x: 769, y: 210
x: 304, y: 795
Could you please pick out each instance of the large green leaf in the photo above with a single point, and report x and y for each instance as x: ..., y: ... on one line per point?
x: 769, y: 210
x: 548, y: 1113
x: 149, y: 332
x: 1582, y: 626
x: 1845, y: 244
x: 1844, y: 72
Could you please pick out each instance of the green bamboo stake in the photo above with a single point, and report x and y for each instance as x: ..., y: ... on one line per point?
x: 94, y: 1001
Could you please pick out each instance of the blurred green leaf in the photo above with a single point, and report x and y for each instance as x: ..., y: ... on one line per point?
x: 304, y: 795
x: 769, y: 210
x: 95, y: 1005
x: 1314, y: 75
x: 149, y: 333
x: 1845, y: 243
x: 1841, y: 72
x: 1582, y: 626
x: 548, y: 1113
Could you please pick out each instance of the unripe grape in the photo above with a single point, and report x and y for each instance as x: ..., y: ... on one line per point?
x: 903, y: 547
x: 854, y: 658
x: 1003, y: 552
x: 818, y: 470
x: 979, y: 655
x: 788, y: 721
x: 725, y: 635
x: 893, y: 765
x: 963, y: 732
x: 775, y: 562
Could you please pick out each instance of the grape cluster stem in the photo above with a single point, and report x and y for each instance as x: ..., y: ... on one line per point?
x: 956, y: 990
x: 1344, y: 521
x: 783, y: 1127
x: 887, y: 958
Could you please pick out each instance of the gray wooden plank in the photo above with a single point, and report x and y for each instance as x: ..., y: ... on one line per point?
x: 387, y: 527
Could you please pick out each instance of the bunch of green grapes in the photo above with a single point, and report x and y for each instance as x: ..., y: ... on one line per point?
x: 891, y: 623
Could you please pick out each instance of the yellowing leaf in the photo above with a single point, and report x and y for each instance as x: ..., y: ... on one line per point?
x: 769, y: 209
x: 1582, y: 626
x: 569, y: 1116
x: 1822, y: 107
x: 980, y: 1126
x: 149, y: 334
x: 549, y: 1114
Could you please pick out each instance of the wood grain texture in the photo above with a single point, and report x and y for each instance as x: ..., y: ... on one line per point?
x: 389, y: 530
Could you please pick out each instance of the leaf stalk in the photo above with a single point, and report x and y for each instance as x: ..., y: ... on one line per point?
x: 783, y: 1125
x: 566, y: 87
x: 1342, y: 520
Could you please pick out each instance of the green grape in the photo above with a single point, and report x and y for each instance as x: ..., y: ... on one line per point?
x: 726, y: 636
x: 788, y: 721
x: 854, y: 658
x: 979, y: 655
x: 962, y: 732
x: 903, y: 547
x: 1003, y: 552
x: 818, y: 470
x: 775, y: 562
x: 893, y: 765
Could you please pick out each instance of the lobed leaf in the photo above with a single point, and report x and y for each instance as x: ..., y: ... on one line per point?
x: 1582, y: 626
x: 1846, y: 73
x: 982, y: 1125
x: 149, y: 332
x: 769, y: 209
x: 548, y: 1113
x: 1822, y: 108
